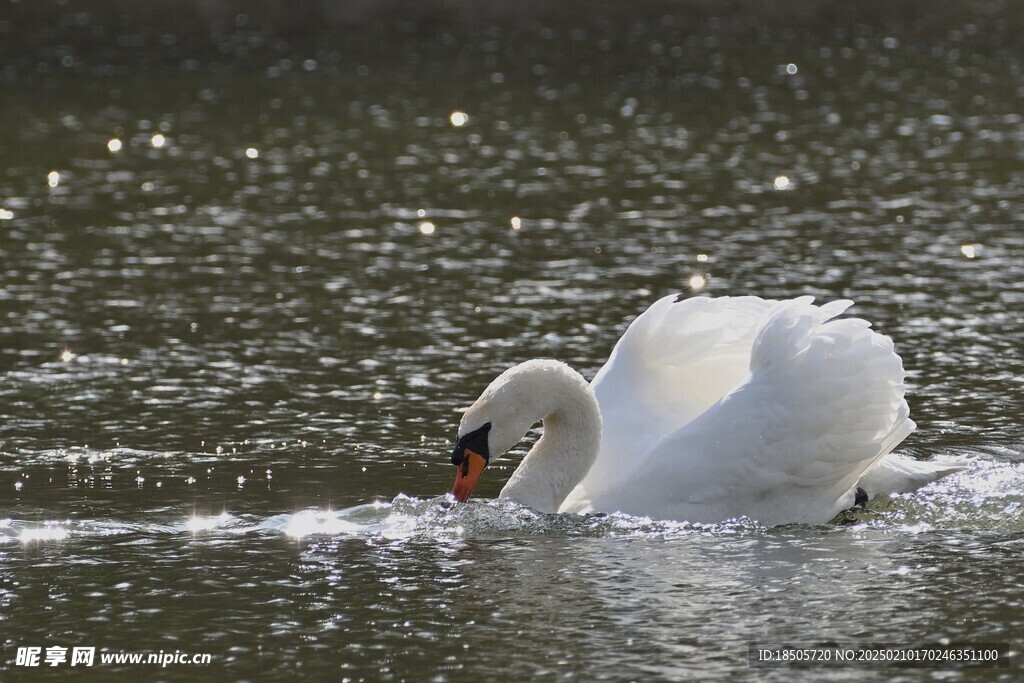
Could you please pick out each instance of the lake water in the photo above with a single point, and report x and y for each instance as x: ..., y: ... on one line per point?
x: 252, y: 270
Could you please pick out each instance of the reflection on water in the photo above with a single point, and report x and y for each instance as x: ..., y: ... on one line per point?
x: 254, y: 261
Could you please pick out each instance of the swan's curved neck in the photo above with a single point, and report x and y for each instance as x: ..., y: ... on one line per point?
x: 569, y: 446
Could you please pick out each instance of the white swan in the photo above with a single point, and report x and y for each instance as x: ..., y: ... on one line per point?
x: 708, y: 409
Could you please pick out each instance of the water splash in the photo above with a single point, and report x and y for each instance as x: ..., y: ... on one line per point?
x: 197, y: 523
x: 11, y: 530
x: 987, y: 496
x: 406, y: 517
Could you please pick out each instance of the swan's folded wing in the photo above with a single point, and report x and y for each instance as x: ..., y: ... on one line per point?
x: 824, y: 401
x: 674, y: 361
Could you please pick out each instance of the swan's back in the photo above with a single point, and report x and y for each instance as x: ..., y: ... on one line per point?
x: 816, y: 404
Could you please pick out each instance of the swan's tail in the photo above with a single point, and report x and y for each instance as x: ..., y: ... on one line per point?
x: 900, y: 474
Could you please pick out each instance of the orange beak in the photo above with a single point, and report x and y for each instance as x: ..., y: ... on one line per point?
x: 466, y: 474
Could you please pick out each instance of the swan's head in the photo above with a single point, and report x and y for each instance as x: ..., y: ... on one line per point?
x: 470, y: 457
x: 509, y: 406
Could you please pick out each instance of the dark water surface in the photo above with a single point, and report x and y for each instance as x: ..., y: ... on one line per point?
x: 251, y: 271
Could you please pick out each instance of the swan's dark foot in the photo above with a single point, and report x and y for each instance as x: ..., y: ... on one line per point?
x: 860, y: 499
x: 849, y: 515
